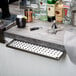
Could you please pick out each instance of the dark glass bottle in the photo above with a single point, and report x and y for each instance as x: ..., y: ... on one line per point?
x: 51, y: 10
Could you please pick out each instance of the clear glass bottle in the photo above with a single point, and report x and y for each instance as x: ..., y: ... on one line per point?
x: 67, y: 11
x: 36, y: 11
x: 43, y: 10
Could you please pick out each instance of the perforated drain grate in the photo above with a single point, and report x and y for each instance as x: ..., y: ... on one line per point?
x: 36, y: 49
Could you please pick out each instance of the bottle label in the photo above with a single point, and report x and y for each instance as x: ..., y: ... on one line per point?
x: 43, y: 9
x: 59, y: 13
x: 51, y: 10
x: 43, y: 6
x: 28, y: 14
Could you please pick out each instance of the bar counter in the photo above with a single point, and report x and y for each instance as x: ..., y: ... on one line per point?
x: 22, y: 63
x: 41, y: 36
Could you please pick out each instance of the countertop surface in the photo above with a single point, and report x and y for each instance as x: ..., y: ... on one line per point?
x: 43, y: 33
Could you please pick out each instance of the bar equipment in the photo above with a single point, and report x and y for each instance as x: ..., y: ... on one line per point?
x: 36, y: 49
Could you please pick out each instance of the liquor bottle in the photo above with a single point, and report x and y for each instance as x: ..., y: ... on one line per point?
x: 59, y: 11
x: 36, y: 9
x: 51, y: 10
x: 68, y: 5
x: 28, y: 14
x: 43, y: 10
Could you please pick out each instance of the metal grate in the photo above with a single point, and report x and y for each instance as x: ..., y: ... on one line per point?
x: 36, y: 49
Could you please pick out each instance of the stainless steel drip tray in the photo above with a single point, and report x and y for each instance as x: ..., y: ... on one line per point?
x: 37, y: 49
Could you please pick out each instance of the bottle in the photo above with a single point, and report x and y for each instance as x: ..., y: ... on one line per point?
x: 67, y: 11
x: 36, y: 11
x: 73, y: 19
x: 59, y: 11
x: 28, y: 13
x: 51, y: 10
x: 43, y: 10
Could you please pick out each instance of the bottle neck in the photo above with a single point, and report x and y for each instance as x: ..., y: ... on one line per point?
x: 60, y: 1
x: 51, y: 1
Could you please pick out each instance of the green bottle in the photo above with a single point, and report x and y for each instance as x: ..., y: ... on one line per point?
x: 43, y: 10
x: 51, y: 10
